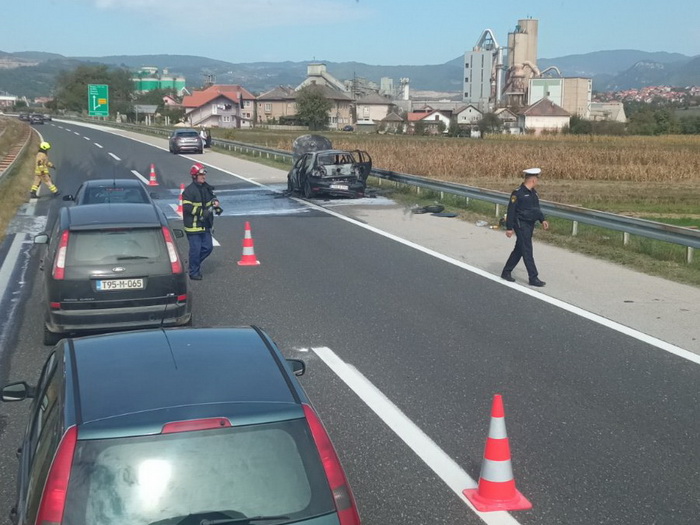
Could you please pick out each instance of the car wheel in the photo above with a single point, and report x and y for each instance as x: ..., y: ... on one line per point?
x: 201, y: 151
x: 290, y: 186
x: 308, y: 194
x: 50, y: 338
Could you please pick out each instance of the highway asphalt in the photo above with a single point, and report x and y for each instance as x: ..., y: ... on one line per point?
x: 603, y: 427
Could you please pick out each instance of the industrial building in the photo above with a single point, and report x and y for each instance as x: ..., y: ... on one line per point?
x: 148, y: 78
x: 571, y: 93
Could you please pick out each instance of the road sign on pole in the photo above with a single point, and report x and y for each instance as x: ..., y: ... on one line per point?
x: 98, y: 100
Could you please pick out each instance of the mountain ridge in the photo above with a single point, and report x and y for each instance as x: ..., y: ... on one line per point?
x: 610, y: 69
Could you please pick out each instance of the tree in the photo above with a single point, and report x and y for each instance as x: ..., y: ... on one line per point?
x: 313, y: 107
x: 489, y: 123
x: 72, y: 86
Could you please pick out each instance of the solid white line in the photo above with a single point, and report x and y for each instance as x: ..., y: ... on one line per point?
x: 626, y: 330
x: 114, y: 156
x: 141, y: 177
x: 98, y: 145
x: 10, y: 261
x: 424, y: 447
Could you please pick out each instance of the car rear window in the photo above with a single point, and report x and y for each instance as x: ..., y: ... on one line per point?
x: 271, y: 469
x: 187, y: 134
x: 111, y: 246
x: 114, y: 194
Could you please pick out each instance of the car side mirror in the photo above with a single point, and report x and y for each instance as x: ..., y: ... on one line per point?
x: 178, y: 233
x: 297, y: 366
x: 68, y: 197
x: 17, y: 392
x: 41, y: 238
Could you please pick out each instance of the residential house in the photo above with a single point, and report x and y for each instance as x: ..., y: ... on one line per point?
x: 468, y: 115
x: 430, y: 121
x: 392, y: 123
x: 276, y: 104
x: 509, y: 120
x: 171, y: 102
x: 371, y: 108
x: 544, y: 115
x: 340, y: 114
x: 223, y: 106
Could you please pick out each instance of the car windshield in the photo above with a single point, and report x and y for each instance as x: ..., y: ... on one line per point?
x: 259, y: 470
x: 111, y: 246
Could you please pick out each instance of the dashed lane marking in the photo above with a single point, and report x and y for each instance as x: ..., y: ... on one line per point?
x: 98, y: 145
x: 114, y: 156
x: 76, y: 133
x: 422, y: 445
x: 86, y: 138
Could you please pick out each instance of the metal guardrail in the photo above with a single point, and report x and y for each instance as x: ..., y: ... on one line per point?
x: 627, y: 225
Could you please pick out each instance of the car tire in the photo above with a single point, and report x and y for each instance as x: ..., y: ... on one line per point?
x: 201, y: 151
x: 308, y: 194
x: 50, y: 338
x: 290, y: 186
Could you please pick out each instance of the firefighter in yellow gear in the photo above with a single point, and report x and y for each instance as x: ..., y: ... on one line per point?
x: 41, y: 171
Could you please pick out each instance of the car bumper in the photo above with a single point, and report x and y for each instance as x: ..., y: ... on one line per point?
x: 188, y: 147
x: 338, y: 188
x: 96, y: 320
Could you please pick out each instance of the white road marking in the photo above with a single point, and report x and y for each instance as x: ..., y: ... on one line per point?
x: 139, y: 176
x: 424, y: 447
x: 60, y: 127
x: 76, y: 133
x: 86, y: 138
x: 98, y: 145
x: 626, y: 330
x: 11, y: 258
x: 114, y: 156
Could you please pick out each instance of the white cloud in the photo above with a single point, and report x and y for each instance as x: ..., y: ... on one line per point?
x: 218, y: 16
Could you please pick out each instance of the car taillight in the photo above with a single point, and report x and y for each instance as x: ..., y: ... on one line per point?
x: 195, y: 424
x: 342, y: 495
x: 53, y: 500
x: 59, y: 263
x: 175, y: 264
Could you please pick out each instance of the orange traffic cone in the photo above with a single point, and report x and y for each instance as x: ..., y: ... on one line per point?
x: 248, y: 258
x: 152, y: 180
x: 496, y: 490
x: 179, y: 200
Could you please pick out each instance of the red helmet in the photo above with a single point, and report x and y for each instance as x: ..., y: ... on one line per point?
x: 196, y: 169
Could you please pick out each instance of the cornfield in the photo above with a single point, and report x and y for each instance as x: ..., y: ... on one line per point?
x: 615, y: 173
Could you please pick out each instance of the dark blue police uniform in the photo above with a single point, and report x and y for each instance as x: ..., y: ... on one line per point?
x: 523, y: 212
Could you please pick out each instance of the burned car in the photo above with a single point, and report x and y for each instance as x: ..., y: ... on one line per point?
x: 330, y: 172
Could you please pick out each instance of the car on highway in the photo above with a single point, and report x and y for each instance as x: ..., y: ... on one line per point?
x: 330, y: 172
x: 187, y: 140
x: 48, y: 117
x: 112, y: 267
x: 23, y: 116
x: 100, y: 191
x: 36, y: 118
x: 175, y: 427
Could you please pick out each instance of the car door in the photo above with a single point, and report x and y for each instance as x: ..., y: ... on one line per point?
x: 40, y: 441
x: 364, y: 162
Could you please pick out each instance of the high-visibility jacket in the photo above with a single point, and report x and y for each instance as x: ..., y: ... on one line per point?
x: 195, y: 199
x: 42, y: 163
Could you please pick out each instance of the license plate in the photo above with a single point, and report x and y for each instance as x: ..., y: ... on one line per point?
x: 339, y: 187
x: 119, y: 284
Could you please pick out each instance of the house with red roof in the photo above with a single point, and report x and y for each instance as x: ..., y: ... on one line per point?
x: 220, y: 106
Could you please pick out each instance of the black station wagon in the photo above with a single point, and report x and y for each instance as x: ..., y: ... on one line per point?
x: 112, y: 267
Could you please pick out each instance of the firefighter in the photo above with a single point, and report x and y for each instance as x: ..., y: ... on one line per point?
x: 199, y: 204
x: 41, y: 171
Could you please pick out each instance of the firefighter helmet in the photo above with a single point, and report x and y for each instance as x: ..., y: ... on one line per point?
x: 196, y: 169
x: 45, y: 146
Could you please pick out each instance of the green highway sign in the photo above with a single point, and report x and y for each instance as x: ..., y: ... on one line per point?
x: 98, y: 100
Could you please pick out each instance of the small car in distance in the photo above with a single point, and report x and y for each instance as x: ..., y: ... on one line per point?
x: 112, y: 267
x: 35, y: 118
x: 330, y: 172
x: 187, y: 140
x: 175, y: 426
x: 101, y: 191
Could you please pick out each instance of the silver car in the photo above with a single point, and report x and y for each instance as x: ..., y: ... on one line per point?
x: 185, y: 139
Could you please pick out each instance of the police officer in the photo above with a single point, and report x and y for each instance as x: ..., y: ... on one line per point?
x: 41, y: 171
x: 523, y: 212
x: 199, y: 204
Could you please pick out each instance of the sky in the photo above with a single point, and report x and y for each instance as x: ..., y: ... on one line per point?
x: 378, y: 32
